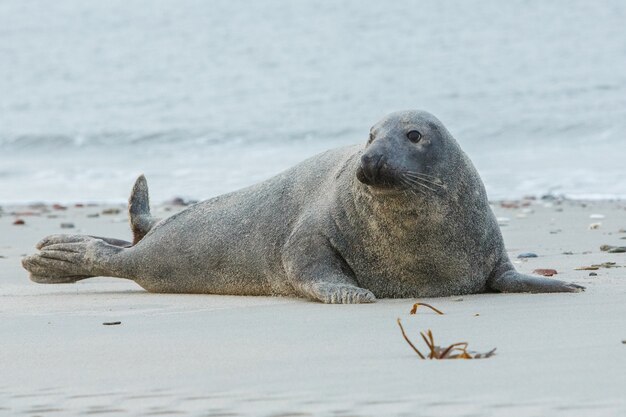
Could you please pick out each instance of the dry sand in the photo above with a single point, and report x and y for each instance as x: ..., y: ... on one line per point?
x: 196, y: 355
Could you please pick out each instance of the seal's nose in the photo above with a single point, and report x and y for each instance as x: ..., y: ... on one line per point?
x: 371, y: 165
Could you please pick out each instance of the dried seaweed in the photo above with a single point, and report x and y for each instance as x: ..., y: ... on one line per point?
x: 453, y: 351
x: 416, y: 305
x: 595, y: 267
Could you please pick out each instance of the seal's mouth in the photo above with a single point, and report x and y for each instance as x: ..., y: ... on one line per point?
x: 374, y: 172
x: 369, y: 171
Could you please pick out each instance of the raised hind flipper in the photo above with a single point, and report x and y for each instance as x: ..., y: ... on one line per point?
x: 141, y: 221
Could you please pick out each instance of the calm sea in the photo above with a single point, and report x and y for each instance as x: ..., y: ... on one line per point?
x: 205, y: 97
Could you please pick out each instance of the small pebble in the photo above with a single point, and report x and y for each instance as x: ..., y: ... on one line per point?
x: 59, y: 207
x: 568, y: 253
x: 67, y: 225
x: 545, y: 272
x: 111, y: 211
x: 593, y: 274
x: 112, y: 323
x: 527, y: 255
x: 595, y: 226
x: 19, y: 222
x: 93, y: 215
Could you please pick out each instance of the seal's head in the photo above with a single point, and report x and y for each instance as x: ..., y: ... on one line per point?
x: 407, y: 150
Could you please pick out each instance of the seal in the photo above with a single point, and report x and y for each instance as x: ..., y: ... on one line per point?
x: 406, y: 215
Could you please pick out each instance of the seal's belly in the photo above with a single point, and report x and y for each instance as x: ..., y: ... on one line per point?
x: 428, y: 271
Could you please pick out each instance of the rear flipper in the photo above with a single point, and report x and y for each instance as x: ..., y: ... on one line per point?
x: 70, y: 258
x: 141, y: 221
x: 512, y: 281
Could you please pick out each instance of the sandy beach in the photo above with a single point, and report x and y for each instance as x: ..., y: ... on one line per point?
x: 201, y: 355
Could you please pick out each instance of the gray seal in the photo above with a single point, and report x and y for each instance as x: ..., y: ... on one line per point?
x: 404, y: 216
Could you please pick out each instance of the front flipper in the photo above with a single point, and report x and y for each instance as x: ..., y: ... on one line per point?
x: 512, y: 281
x: 316, y: 271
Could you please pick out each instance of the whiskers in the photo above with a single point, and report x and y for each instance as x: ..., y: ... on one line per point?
x: 424, y: 184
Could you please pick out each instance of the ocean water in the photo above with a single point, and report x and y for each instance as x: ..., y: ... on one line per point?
x: 205, y: 97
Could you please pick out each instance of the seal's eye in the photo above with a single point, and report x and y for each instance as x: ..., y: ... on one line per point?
x: 414, y: 136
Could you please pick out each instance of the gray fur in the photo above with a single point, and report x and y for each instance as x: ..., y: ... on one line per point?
x: 391, y: 219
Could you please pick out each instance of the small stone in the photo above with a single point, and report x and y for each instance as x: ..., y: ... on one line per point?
x: 59, y: 207
x: 595, y: 226
x: 617, y: 249
x: 67, y: 225
x: 111, y: 210
x: 93, y: 215
x: 593, y: 274
x: 569, y: 252
x: 79, y: 205
x: 19, y: 222
x: 527, y: 255
x: 545, y: 272
x: 111, y: 323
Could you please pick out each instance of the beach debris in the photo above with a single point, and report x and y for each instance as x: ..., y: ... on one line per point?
x: 593, y: 274
x: 19, y: 222
x: 111, y: 323
x: 67, y: 225
x: 416, y: 305
x: 596, y: 216
x: 111, y: 210
x: 595, y: 226
x: 526, y: 255
x: 545, y: 272
x: 453, y: 351
x: 503, y: 221
x: 179, y: 201
x: 595, y: 267
x: 59, y: 207
x: 613, y: 249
